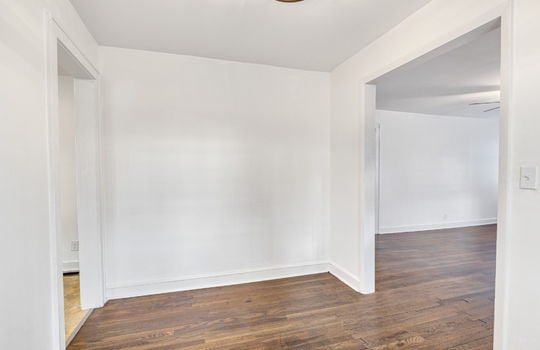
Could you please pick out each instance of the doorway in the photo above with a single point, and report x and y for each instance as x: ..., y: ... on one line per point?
x: 437, y: 137
x: 70, y: 75
x: 74, y: 315
x: 437, y: 148
x: 74, y: 186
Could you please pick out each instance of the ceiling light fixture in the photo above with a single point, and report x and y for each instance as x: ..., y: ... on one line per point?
x: 289, y: 0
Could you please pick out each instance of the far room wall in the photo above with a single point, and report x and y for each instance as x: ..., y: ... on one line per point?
x: 213, y: 168
x: 437, y: 171
x: 68, y: 232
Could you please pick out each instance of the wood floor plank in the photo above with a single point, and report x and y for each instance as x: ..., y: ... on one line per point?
x: 73, y: 314
x: 435, y: 290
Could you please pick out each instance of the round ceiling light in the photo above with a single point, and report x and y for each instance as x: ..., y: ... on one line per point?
x: 289, y: 0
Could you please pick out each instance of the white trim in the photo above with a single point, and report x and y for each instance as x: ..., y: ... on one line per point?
x: 506, y: 179
x: 368, y: 193
x: 134, y: 289
x: 345, y: 276
x: 57, y: 287
x: 436, y: 226
x: 70, y: 266
x: 54, y: 35
x: 71, y: 46
x: 142, y: 288
x: 378, y: 139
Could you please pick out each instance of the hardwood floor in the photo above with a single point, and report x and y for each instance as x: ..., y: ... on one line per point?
x: 73, y: 315
x: 435, y: 290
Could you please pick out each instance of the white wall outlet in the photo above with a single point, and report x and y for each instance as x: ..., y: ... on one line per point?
x: 528, y: 178
x: 74, y: 246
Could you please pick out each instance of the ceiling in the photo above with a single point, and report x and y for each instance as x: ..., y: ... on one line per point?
x: 312, y: 34
x: 447, y: 80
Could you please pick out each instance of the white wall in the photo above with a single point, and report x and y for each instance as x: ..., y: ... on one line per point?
x: 212, y: 167
x: 25, y: 296
x: 437, y: 171
x: 520, y: 281
x: 517, y: 300
x: 430, y: 27
x: 68, y: 231
x: 25, y: 307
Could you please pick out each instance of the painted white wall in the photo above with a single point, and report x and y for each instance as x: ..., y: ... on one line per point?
x: 522, y: 287
x: 25, y: 295
x: 432, y: 26
x: 212, y: 167
x: 68, y: 231
x: 25, y: 317
x: 437, y: 171
x: 517, y: 291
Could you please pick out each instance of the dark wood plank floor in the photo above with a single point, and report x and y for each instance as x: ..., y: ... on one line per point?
x: 435, y: 290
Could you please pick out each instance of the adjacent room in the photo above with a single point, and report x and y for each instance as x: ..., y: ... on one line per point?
x: 437, y: 161
x: 269, y: 174
x: 438, y: 137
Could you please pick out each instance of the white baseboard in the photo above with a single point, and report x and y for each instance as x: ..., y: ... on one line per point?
x: 436, y: 226
x: 344, y: 276
x: 218, y: 280
x: 70, y: 266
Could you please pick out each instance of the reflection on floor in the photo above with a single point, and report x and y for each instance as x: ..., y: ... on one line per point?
x: 74, y: 317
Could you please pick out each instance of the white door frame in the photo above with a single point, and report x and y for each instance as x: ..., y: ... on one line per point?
x: 377, y: 177
x: 368, y: 198
x: 89, y: 189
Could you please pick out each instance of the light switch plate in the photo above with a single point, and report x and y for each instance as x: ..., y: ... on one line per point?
x: 528, y: 178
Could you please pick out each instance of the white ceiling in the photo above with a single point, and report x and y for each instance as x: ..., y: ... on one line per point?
x: 312, y: 34
x: 447, y: 80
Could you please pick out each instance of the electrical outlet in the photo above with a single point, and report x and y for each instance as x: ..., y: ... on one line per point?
x: 74, y: 246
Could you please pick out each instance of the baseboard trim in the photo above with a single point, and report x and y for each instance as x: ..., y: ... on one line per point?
x: 345, y: 276
x: 218, y: 280
x: 437, y: 226
x: 70, y: 266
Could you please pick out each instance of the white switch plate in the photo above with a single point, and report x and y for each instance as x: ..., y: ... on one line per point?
x: 74, y: 246
x: 528, y: 178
